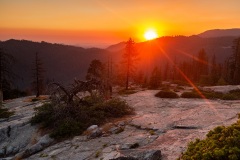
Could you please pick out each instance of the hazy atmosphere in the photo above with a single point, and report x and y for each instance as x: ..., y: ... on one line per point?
x: 103, y: 22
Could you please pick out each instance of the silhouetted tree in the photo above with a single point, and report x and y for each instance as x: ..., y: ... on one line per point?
x: 166, y: 71
x: 130, y: 58
x: 97, y: 73
x: 174, y: 72
x: 96, y: 70
x: 236, y: 61
x: 214, y: 71
x: 185, y: 67
x: 202, y: 64
x: 6, y: 73
x: 38, y: 80
x: 232, y: 64
x: 155, y: 78
x: 139, y: 79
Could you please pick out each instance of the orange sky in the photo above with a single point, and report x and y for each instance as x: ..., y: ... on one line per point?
x: 104, y: 22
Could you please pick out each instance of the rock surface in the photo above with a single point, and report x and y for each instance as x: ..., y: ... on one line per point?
x: 16, y: 132
x: 161, y: 127
x: 165, y: 125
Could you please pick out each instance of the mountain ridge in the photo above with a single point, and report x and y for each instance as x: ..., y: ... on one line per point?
x: 220, y: 33
x: 63, y: 63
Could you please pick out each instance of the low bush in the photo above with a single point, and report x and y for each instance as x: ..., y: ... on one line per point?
x: 70, y: 120
x: 231, y: 95
x: 5, y: 113
x: 212, y: 94
x: 127, y: 92
x: 35, y: 99
x: 235, y: 93
x: 190, y: 95
x: 221, y: 143
x: 207, y: 94
x: 166, y: 94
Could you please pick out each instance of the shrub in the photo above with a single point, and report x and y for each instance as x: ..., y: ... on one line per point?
x: 127, y: 92
x: 235, y: 93
x: 205, y: 80
x: 221, y: 82
x: 212, y: 94
x: 44, y: 114
x: 114, y: 108
x: 166, y: 94
x: 69, y: 120
x: 35, y: 99
x: 229, y: 97
x: 190, y: 95
x: 221, y: 143
x: 206, y: 94
x: 4, y: 113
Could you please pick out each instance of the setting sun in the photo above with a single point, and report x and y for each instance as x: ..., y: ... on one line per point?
x: 150, y: 34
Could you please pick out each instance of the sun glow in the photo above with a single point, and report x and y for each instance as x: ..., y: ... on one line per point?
x: 150, y: 34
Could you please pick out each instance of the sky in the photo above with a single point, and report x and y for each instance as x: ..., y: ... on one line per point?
x: 101, y: 23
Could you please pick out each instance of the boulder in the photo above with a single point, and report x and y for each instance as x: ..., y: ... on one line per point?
x: 116, y: 130
x: 92, y: 127
x: 94, y: 131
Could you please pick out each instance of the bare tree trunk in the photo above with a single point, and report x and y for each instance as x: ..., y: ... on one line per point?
x: 128, y: 67
x: 1, y: 98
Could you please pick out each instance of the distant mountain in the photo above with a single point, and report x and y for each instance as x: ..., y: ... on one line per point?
x: 63, y: 63
x: 116, y: 47
x: 220, y: 33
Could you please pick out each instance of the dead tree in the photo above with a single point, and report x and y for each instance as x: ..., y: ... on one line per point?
x: 60, y: 94
x: 38, y: 75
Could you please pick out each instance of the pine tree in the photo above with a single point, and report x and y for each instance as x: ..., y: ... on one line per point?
x: 96, y: 71
x: 38, y: 80
x: 166, y: 72
x: 139, y: 78
x: 130, y: 58
x: 202, y: 64
x: 214, y: 71
x: 155, y: 79
x: 236, y: 56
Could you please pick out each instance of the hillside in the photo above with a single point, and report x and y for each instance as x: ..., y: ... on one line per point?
x: 63, y: 63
